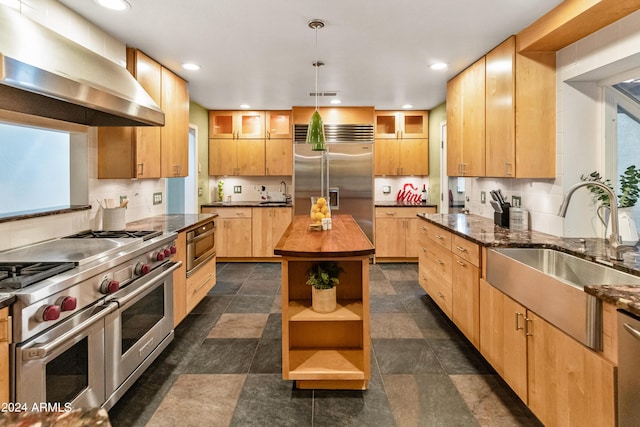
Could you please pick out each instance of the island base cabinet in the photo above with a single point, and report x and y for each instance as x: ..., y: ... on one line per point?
x: 569, y: 385
x: 326, y: 350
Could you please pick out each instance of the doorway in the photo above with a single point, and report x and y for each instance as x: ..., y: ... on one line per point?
x: 182, y: 193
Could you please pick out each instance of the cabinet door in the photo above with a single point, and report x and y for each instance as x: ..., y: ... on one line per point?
x: 414, y: 156
x: 385, y: 156
x: 251, y: 157
x: 500, y: 110
x: 465, y: 299
x: 278, y: 157
x: 390, y: 237
x: 491, y: 326
x: 180, y: 280
x: 454, y: 126
x: 250, y: 124
x: 278, y: 125
x: 234, y: 238
x: 261, y: 223
x: 281, y: 219
x: 414, y: 124
x: 473, y: 120
x: 174, y: 135
x: 411, y: 237
x: 149, y: 74
x: 221, y: 124
x: 223, y: 157
x: 569, y: 385
x: 387, y: 124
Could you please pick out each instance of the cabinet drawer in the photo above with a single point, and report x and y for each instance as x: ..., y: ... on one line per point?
x: 439, y: 236
x: 231, y: 212
x: 200, y: 282
x: 466, y: 249
x: 440, y: 262
x: 440, y: 292
x: 397, y: 212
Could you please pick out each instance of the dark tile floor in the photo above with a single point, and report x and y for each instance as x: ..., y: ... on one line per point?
x: 224, y: 366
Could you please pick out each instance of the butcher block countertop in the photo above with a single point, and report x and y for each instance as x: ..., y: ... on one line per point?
x: 345, y: 239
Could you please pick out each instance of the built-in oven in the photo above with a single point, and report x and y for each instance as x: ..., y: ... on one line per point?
x: 65, y: 365
x: 138, y: 330
x: 201, y: 245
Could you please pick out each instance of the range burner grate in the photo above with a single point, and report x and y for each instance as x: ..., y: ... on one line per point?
x: 124, y: 234
x: 21, y: 275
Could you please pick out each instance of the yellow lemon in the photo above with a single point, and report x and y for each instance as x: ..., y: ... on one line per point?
x: 324, y: 209
x: 321, y: 201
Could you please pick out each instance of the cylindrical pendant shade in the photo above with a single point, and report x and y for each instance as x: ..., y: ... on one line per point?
x: 315, y: 133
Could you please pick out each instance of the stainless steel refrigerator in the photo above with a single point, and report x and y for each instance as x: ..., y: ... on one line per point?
x: 344, y: 172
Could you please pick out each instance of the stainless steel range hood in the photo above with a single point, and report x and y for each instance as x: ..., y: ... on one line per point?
x: 43, y: 73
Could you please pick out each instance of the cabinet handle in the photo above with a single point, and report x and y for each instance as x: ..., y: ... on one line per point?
x: 439, y: 261
x: 508, y: 168
x: 527, y: 328
x: 461, y: 249
x: 140, y: 169
x: 440, y: 295
x: 439, y: 237
x: 389, y: 213
x: 518, y: 327
x: 461, y: 263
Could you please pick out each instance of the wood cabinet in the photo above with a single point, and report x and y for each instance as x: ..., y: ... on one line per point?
x: 279, y: 144
x: 449, y: 270
x: 396, y: 232
x: 233, y: 231
x: 244, y: 157
x: 501, y: 116
x: 466, y: 122
x: 563, y: 382
x: 401, y: 143
x: 326, y: 350
x: 236, y: 124
x: 5, y: 339
x: 149, y: 151
x: 199, y: 283
x: 278, y: 124
x: 268, y: 226
x: 520, y: 113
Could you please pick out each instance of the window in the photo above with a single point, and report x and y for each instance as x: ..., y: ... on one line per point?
x: 35, y: 169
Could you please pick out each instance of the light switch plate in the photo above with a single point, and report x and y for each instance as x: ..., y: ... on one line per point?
x: 157, y: 198
x: 483, y: 197
x: 237, y: 189
x: 516, y: 201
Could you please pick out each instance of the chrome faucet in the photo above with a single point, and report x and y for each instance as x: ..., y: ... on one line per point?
x: 615, y: 241
x: 285, y: 187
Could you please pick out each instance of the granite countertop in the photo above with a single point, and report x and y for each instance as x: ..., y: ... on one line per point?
x: 482, y: 231
x: 169, y: 223
x: 6, y: 300
x: 396, y: 204
x: 250, y: 204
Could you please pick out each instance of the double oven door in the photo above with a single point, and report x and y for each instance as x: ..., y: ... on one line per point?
x: 91, y: 359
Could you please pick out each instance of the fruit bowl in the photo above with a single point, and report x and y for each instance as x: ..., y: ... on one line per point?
x: 319, y: 210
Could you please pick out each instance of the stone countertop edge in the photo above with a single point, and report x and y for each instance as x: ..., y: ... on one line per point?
x: 169, y: 223
x: 396, y: 204
x: 484, y: 232
x: 255, y: 204
x: 6, y: 300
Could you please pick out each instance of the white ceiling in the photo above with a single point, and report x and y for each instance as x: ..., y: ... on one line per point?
x: 260, y: 52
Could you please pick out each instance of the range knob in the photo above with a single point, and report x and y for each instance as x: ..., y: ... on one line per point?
x: 109, y: 286
x: 68, y: 303
x: 167, y: 252
x: 159, y: 256
x: 49, y: 312
x: 142, y: 269
x: 173, y: 249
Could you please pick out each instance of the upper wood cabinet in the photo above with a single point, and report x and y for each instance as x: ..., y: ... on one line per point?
x: 236, y: 124
x: 149, y: 151
x: 520, y: 113
x: 335, y: 115
x: 237, y: 157
x: 501, y: 116
x: 466, y: 122
x: 402, y: 124
x: 278, y: 146
x: 278, y: 124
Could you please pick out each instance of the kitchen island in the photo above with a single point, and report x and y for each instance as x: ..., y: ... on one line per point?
x: 326, y: 350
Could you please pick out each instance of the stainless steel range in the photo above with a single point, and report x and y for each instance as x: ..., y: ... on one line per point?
x: 92, y: 312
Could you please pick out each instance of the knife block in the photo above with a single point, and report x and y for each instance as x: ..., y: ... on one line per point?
x: 502, y: 218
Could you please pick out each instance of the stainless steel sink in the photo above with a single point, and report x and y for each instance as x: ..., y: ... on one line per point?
x: 551, y: 283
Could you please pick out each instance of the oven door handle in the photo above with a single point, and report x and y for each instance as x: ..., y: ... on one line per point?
x: 169, y: 268
x: 46, y: 349
x: 199, y: 237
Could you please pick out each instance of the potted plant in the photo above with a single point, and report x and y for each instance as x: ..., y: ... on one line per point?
x: 630, y: 193
x: 323, y: 278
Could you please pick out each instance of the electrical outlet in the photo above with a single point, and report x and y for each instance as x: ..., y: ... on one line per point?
x: 516, y: 201
x: 157, y: 198
x: 122, y: 199
x: 483, y: 197
x: 237, y: 189
x: 386, y: 189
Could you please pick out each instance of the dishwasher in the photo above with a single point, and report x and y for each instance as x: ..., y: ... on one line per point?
x: 628, y: 374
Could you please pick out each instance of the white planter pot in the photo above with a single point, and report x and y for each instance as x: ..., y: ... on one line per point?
x: 627, y: 226
x: 323, y: 300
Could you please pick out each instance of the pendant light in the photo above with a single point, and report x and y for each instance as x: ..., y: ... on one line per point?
x: 315, y: 132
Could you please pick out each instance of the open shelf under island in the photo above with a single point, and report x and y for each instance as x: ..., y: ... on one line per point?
x: 326, y: 350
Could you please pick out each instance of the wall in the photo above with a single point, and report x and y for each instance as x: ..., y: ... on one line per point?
x: 579, y: 132
x: 139, y: 192
x: 437, y: 115
x: 199, y: 117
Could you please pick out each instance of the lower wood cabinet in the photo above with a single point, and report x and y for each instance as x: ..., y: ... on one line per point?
x: 563, y: 382
x: 199, y: 283
x: 396, y: 232
x: 5, y: 338
x: 268, y: 226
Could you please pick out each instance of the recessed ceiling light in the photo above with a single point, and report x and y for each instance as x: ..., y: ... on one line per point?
x: 335, y: 101
x: 405, y: 106
x: 190, y: 66
x: 438, y: 66
x: 245, y: 106
x: 114, y: 4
